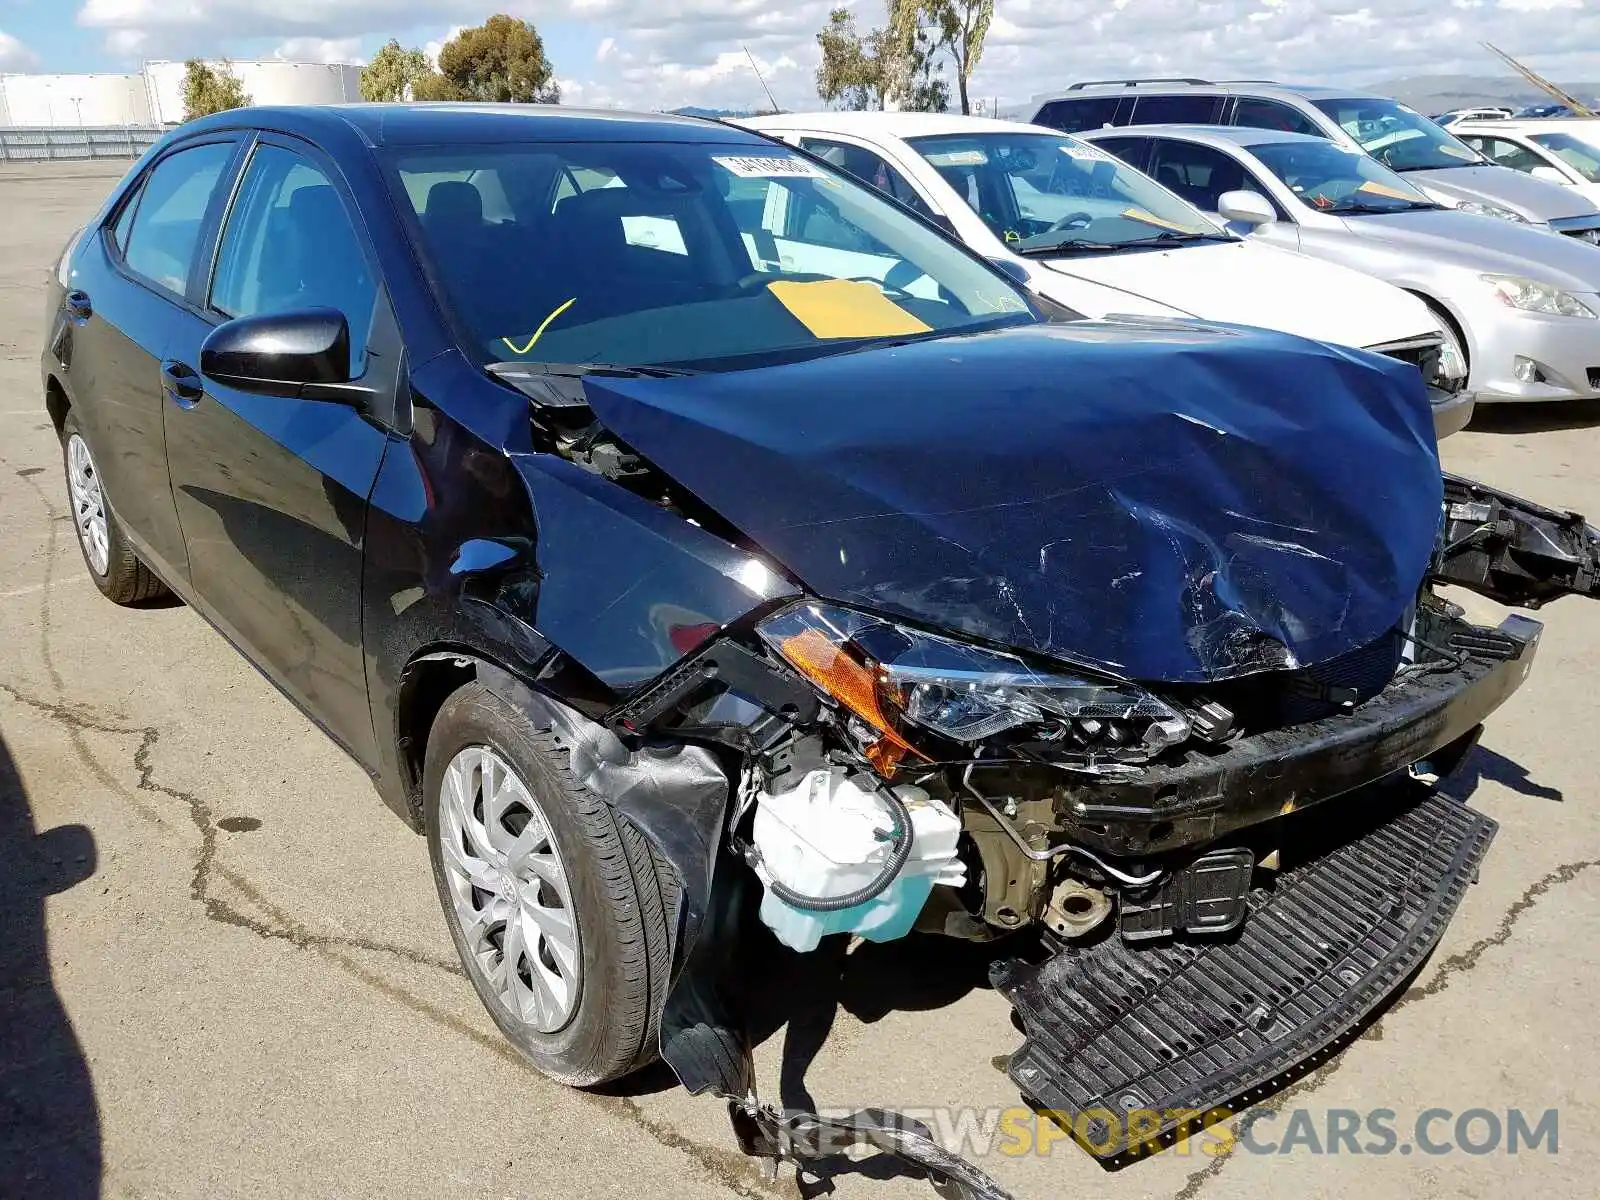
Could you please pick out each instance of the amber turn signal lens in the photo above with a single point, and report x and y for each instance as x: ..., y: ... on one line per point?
x: 852, y: 685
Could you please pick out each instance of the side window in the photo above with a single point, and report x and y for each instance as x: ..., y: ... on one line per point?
x: 1199, y: 174
x: 869, y: 168
x: 1506, y: 153
x: 290, y: 244
x: 1176, y: 110
x: 1077, y: 116
x: 1269, y: 114
x: 162, y: 236
x: 1132, y: 150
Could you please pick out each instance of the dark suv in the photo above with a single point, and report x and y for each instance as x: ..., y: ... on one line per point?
x: 693, y: 543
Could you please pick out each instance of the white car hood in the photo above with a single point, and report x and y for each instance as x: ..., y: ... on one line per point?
x: 1244, y: 283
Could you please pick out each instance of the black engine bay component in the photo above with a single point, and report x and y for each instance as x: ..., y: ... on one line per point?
x: 1186, y: 1027
x: 1210, y: 895
x: 1513, y: 550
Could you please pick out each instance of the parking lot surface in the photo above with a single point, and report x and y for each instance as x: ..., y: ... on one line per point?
x: 223, y: 970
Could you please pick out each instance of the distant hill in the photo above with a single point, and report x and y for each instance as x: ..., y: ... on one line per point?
x: 695, y: 111
x: 1441, y: 93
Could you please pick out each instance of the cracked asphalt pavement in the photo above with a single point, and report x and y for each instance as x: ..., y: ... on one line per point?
x: 223, y: 970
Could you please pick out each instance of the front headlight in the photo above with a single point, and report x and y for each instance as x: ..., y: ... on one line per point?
x: 898, y: 681
x: 1529, y: 295
x: 1482, y: 208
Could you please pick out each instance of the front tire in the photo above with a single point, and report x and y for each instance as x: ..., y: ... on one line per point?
x: 554, y: 902
x: 113, y: 565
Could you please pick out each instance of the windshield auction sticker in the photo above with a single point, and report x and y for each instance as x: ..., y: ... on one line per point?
x: 766, y: 166
x: 1085, y: 154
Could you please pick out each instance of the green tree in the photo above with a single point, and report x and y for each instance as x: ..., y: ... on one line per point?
x: 211, y: 89
x: 501, y: 60
x: 393, y: 72
x: 963, y: 26
x: 900, y: 62
x: 852, y: 70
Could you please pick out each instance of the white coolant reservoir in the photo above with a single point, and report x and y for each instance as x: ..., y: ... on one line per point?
x: 825, y: 838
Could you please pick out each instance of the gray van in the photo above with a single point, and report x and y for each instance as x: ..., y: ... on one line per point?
x: 1446, y: 169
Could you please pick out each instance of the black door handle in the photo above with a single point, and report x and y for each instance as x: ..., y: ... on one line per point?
x: 181, y: 382
x: 78, y: 306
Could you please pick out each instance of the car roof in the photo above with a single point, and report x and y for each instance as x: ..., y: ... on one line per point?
x: 892, y: 124
x: 1529, y: 125
x: 433, y: 123
x: 1234, y: 135
x: 1232, y: 87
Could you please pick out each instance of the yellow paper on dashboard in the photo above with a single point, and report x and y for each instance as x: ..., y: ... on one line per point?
x: 845, y: 308
x: 1383, y: 189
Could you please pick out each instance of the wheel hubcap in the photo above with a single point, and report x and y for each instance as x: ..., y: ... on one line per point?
x: 88, y: 504
x: 509, y: 889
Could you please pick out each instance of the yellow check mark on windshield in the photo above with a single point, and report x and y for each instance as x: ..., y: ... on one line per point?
x: 539, y: 332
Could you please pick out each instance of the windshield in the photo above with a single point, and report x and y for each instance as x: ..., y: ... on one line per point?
x: 1332, y: 179
x: 1398, y: 136
x: 1581, y: 154
x: 1042, y: 191
x: 680, y: 254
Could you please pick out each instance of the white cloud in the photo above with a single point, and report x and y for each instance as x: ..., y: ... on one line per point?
x: 320, y: 50
x: 665, y: 53
x: 14, y: 56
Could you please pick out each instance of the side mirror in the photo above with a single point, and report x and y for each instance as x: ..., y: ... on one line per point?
x: 279, y: 354
x: 1248, y: 208
x: 1550, y: 175
x: 1012, y: 268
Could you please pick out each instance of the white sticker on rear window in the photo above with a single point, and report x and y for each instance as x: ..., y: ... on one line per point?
x: 1085, y: 154
x: 767, y: 166
x: 958, y: 158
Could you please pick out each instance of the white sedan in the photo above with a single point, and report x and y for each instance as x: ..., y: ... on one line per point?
x: 1564, y: 150
x: 1088, y: 231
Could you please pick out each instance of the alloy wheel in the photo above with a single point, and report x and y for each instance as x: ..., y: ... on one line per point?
x: 88, y: 504
x: 509, y: 889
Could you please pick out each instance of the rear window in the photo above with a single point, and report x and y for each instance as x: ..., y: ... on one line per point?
x: 1076, y: 116
x: 1176, y: 110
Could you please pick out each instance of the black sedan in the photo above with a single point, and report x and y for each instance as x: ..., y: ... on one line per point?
x: 706, y: 553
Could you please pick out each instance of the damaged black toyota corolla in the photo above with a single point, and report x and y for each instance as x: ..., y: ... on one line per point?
x: 700, y: 548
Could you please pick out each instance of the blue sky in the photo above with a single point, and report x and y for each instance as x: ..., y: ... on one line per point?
x: 664, y: 53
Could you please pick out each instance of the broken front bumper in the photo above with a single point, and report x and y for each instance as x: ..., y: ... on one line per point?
x: 1270, y: 774
x: 1127, y: 1042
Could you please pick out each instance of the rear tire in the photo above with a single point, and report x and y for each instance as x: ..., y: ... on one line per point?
x: 113, y: 564
x: 584, y: 1010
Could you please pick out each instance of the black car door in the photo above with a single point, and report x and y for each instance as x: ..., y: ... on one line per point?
x: 272, y: 490
x: 130, y: 283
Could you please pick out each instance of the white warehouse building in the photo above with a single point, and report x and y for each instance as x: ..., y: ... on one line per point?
x: 154, y: 95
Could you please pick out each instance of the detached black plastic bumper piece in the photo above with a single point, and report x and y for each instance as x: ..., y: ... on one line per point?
x: 1118, y: 1028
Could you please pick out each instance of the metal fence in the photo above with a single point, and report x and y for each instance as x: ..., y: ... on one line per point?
x: 19, y: 144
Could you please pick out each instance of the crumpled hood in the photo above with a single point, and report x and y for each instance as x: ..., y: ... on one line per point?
x: 1536, y: 199
x: 1173, y: 502
x: 1246, y: 283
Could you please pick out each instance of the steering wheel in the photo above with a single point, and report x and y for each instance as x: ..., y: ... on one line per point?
x: 888, y: 288
x: 757, y: 280
x: 1073, y: 220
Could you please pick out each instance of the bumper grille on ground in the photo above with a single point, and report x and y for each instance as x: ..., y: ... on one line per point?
x: 1194, y: 1025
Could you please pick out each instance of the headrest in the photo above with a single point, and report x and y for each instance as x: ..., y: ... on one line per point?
x: 454, y: 202
x: 316, y: 206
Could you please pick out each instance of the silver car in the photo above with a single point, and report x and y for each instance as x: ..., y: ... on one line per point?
x: 1432, y: 159
x: 1522, y: 308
